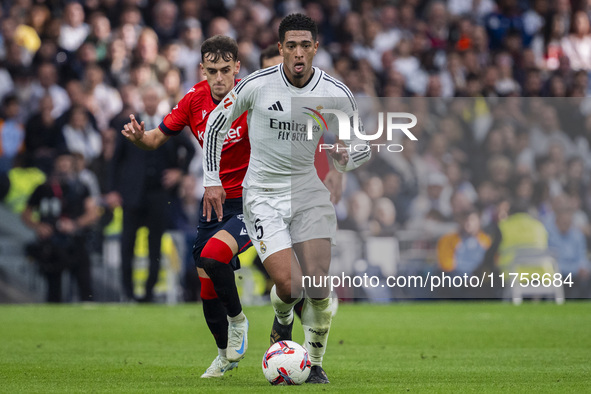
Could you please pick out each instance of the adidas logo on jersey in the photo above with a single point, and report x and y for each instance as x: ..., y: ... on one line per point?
x: 276, y: 107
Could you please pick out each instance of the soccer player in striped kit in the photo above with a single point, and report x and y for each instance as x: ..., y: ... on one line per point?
x: 286, y: 207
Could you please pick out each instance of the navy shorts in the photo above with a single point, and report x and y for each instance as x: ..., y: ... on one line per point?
x: 233, y: 223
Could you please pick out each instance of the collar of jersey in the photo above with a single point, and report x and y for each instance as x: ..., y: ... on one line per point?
x: 306, y: 88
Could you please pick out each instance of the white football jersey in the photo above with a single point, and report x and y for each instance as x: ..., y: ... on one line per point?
x: 282, y: 155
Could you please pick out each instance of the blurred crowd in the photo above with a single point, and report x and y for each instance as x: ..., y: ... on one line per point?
x: 500, y: 89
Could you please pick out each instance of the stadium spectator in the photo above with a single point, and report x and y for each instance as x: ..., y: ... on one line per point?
x: 100, y: 35
x: 42, y: 136
x: 12, y: 132
x: 6, y: 83
x: 73, y: 30
x: 80, y: 136
x: 47, y: 83
x: 186, y: 219
x: 462, y: 251
x: 189, y: 57
x: 431, y: 198
x: 383, y: 218
x: 165, y: 21
x: 147, y: 52
x: 577, y: 45
x: 65, y: 212
x: 117, y: 63
x: 358, y: 213
x: 171, y: 82
x: 516, y: 229
x: 146, y: 181
x: 568, y: 244
x: 106, y: 100
x: 77, y: 96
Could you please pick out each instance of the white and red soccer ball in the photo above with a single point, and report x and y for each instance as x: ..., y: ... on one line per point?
x: 286, y: 363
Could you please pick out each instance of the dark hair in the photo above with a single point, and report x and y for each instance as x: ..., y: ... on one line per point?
x: 219, y: 47
x: 10, y: 98
x: 297, y: 22
x: 269, y: 52
x: 519, y: 205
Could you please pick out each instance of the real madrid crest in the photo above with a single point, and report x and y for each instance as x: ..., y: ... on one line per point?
x: 263, y: 247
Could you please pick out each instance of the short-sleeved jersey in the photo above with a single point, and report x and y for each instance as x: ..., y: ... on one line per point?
x: 282, y: 156
x: 193, y: 110
x: 55, y: 200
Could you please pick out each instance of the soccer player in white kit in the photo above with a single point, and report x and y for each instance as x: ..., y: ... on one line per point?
x: 285, y: 204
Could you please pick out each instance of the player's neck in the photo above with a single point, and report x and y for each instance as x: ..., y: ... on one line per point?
x: 299, y: 82
x: 217, y: 98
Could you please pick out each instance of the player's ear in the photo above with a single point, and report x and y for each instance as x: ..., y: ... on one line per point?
x: 202, y: 70
x: 280, y: 47
x: 237, y: 68
x: 315, y: 47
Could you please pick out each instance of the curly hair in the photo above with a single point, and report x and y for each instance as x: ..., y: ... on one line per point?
x: 297, y: 22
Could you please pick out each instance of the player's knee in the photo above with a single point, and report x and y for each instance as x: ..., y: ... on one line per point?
x: 211, y: 266
x: 285, y: 290
x: 217, y: 250
x: 207, y: 290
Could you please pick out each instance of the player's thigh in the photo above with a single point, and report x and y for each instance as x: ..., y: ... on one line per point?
x: 234, y: 233
x: 267, y: 222
x: 314, y: 217
x: 231, y: 231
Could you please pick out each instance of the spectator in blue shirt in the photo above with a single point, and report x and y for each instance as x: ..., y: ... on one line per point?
x: 569, y: 246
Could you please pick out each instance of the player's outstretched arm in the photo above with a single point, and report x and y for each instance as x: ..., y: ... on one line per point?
x: 137, y: 134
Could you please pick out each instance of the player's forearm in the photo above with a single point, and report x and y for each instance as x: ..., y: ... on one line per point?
x: 211, y: 162
x: 213, y: 141
x: 151, y: 140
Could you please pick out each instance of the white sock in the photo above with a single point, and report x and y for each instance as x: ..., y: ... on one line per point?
x: 283, y: 311
x: 238, y: 318
x: 222, y: 353
x: 316, y: 319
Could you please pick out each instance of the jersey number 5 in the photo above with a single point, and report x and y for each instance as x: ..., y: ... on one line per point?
x: 259, y: 229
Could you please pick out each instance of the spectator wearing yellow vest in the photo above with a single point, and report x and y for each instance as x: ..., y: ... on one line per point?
x: 516, y: 231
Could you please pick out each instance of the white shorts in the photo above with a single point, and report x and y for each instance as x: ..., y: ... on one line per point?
x: 275, y: 221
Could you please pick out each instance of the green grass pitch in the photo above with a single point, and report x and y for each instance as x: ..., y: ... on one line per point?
x: 404, y: 347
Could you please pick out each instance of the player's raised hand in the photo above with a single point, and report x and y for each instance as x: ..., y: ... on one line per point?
x: 214, y: 197
x: 133, y: 130
x: 339, y: 153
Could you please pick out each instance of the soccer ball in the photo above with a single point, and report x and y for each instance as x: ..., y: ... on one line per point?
x: 286, y: 363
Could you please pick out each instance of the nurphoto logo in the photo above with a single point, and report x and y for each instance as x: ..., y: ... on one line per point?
x: 346, y: 124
